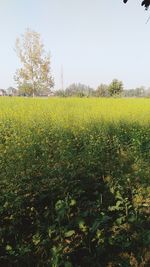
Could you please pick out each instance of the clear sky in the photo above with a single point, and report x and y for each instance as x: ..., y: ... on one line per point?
x: 94, y: 40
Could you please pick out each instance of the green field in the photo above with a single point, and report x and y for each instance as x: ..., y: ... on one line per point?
x: 74, y: 177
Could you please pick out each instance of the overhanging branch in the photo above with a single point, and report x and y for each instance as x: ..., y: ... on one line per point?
x: 145, y: 3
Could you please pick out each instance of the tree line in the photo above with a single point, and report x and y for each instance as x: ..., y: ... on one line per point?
x: 114, y: 89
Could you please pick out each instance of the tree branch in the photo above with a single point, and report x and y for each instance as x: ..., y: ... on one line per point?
x: 145, y: 3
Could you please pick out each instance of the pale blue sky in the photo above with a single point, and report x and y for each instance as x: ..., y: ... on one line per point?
x: 94, y: 40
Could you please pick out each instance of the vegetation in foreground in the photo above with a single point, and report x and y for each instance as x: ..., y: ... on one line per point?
x: 74, y: 177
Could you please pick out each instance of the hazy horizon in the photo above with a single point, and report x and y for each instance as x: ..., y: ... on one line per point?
x: 94, y: 40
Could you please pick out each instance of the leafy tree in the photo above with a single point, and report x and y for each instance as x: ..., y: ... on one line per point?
x: 145, y: 3
x: 116, y: 87
x: 35, y: 74
x: 102, y: 90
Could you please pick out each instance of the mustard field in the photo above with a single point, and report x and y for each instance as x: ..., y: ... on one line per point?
x: 75, y: 111
x: 74, y: 182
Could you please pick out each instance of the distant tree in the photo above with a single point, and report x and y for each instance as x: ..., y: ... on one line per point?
x: 3, y: 92
x: 139, y: 91
x: 115, y: 88
x: 129, y: 93
x: 78, y: 89
x: 147, y: 92
x: 60, y: 93
x: 11, y: 91
x: 102, y: 90
x: 145, y: 3
x: 35, y: 73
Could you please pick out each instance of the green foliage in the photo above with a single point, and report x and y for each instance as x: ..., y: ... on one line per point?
x: 71, y: 194
x: 115, y: 88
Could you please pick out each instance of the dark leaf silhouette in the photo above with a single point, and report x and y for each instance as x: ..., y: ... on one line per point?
x: 145, y: 3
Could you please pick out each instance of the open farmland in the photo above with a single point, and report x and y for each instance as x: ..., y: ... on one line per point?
x: 74, y: 177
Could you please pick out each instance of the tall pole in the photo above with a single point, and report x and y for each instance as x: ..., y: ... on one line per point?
x: 62, y: 78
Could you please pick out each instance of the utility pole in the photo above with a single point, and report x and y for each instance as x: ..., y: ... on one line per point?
x: 62, y: 78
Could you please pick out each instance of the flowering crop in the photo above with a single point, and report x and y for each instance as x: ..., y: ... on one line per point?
x: 74, y: 182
